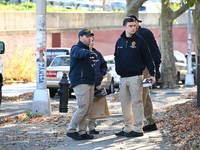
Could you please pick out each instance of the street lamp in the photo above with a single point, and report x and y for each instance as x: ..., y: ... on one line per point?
x: 189, y: 78
x: 41, y: 99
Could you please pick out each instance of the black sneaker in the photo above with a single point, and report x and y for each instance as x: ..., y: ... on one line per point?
x: 133, y: 134
x: 121, y: 133
x: 74, y: 136
x: 93, y: 132
x: 87, y: 136
x: 152, y: 127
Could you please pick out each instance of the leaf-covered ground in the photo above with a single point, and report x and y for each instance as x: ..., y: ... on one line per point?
x: 180, y: 122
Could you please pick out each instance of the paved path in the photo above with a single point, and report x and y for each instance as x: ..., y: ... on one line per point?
x: 17, y: 89
x: 52, y: 136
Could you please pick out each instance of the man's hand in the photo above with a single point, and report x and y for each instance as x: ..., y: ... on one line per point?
x: 94, y: 55
x: 152, y: 78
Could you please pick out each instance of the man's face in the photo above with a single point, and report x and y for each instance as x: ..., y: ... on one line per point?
x: 137, y: 24
x: 92, y: 41
x: 85, y: 39
x: 130, y: 28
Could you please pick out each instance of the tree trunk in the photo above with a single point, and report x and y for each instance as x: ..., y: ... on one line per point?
x: 133, y: 6
x: 168, y: 62
x: 196, y: 21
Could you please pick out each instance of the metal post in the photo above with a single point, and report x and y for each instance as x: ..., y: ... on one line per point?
x: 41, y: 99
x: 189, y: 78
x: 198, y: 80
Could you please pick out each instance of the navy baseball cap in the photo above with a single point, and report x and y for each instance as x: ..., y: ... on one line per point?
x: 133, y: 16
x: 85, y: 32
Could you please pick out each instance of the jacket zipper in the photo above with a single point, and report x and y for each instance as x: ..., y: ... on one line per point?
x: 81, y: 74
x: 126, y: 43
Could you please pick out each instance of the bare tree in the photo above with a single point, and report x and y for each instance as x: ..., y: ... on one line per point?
x: 169, y: 76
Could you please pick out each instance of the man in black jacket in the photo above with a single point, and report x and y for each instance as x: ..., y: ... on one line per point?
x: 156, y: 55
x: 82, y: 80
x: 100, y: 71
x: 132, y: 56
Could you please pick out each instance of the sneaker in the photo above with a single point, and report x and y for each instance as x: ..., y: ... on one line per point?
x: 93, y: 132
x: 121, y: 133
x: 74, y: 136
x: 133, y: 134
x: 152, y: 127
x: 87, y: 136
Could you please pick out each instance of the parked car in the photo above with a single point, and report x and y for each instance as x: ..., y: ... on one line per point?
x: 60, y: 65
x: 194, y: 69
x: 180, y: 66
x: 111, y: 68
x: 148, y: 6
x: 53, y: 52
x: 2, y: 50
x: 151, y: 6
x: 118, y: 5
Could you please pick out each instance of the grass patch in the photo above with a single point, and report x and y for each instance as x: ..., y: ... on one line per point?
x: 22, y: 66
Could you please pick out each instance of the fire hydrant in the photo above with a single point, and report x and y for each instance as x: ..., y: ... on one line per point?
x: 63, y: 93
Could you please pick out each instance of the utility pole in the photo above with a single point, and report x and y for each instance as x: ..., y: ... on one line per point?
x: 41, y: 99
x: 189, y: 78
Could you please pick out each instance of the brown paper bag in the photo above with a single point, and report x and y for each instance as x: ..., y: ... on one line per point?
x: 99, y: 109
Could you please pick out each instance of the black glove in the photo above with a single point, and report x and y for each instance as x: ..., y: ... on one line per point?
x: 158, y: 75
x: 94, y: 55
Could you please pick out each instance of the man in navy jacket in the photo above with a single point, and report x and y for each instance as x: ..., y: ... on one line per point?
x: 156, y: 55
x: 100, y: 71
x: 82, y: 80
x: 132, y: 56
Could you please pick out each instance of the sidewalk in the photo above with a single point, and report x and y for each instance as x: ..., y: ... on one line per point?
x: 51, y: 135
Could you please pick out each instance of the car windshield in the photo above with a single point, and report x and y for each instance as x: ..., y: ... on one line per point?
x: 61, y: 61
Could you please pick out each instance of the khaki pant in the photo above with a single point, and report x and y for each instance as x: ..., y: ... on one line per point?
x: 130, y: 95
x: 84, y: 95
x: 92, y: 122
x: 148, y: 107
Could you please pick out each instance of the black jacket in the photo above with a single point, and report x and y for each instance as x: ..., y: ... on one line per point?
x: 100, y: 68
x: 81, y: 65
x: 152, y: 44
x: 132, y: 55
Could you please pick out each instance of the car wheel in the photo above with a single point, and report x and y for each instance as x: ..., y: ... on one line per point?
x: 52, y: 93
x: 178, y: 78
x: 111, y: 88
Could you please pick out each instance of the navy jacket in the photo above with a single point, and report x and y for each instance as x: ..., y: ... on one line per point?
x: 151, y: 42
x: 81, y: 65
x: 100, y: 68
x: 132, y: 55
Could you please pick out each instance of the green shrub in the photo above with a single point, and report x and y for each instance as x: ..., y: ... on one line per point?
x: 22, y: 66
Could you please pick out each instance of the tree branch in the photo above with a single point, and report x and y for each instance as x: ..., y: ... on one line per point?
x: 180, y: 11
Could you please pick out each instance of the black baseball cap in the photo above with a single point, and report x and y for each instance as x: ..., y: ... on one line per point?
x: 133, y: 16
x: 85, y: 32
